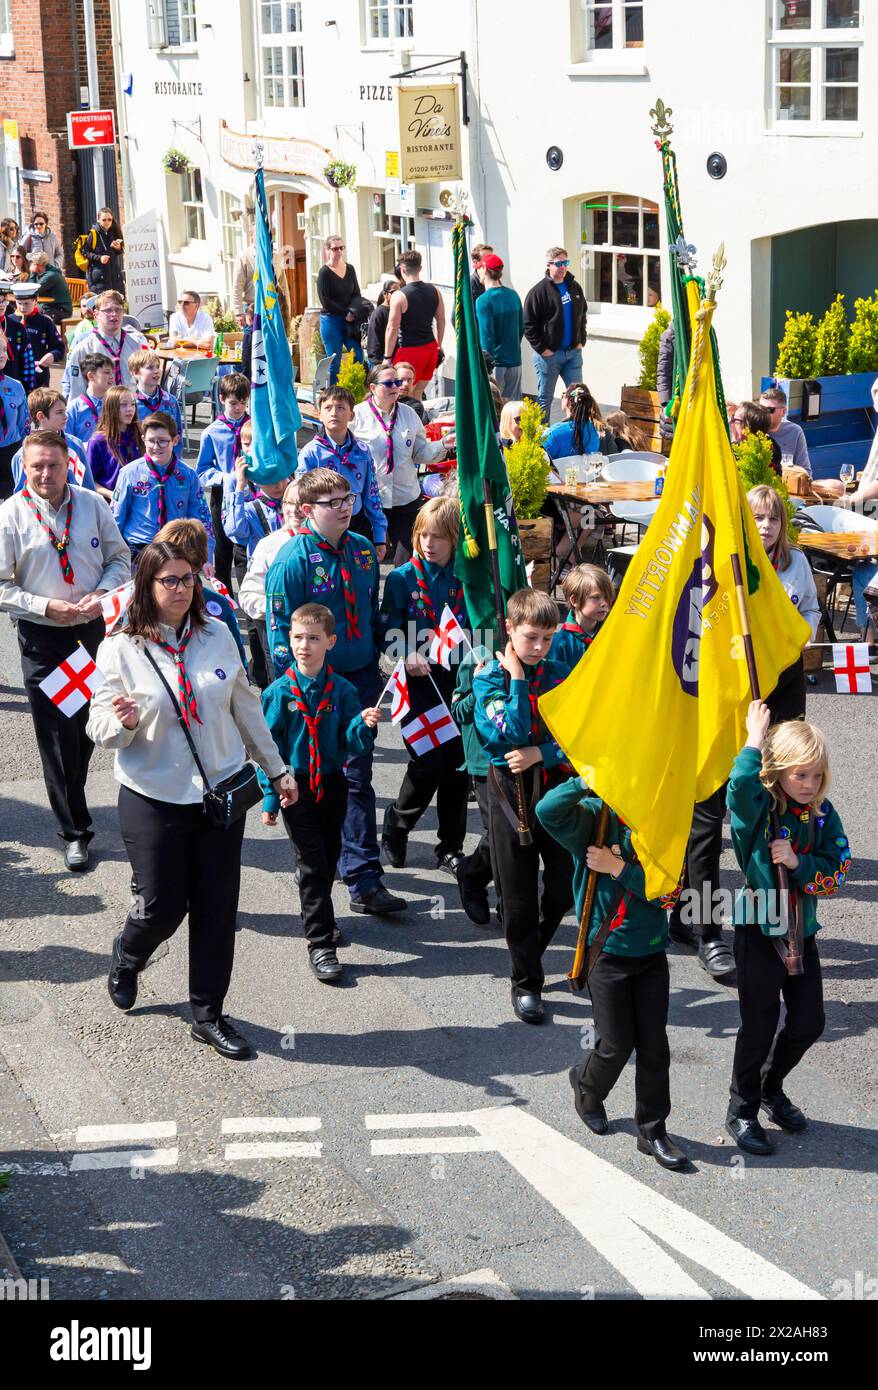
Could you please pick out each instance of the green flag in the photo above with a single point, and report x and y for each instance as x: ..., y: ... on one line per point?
x: 479, y: 458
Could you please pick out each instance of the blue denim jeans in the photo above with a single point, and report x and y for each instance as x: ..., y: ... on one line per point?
x: 339, y: 336
x: 359, y: 864
x: 566, y: 364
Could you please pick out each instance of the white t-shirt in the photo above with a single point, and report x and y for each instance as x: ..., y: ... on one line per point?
x: 179, y: 328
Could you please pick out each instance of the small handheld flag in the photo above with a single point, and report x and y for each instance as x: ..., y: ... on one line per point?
x: 850, y: 662
x: 72, y: 684
x: 77, y: 467
x: 400, y: 703
x: 430, y: 729
x: 449, y: 634
x: 114, y: 603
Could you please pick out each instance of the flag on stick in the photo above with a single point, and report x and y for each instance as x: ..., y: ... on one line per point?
x: 850, y: 662
x: 114, y: 603
x: 273, y: 404
x: 448, y: 635
x: 430, y: 729
x: 72, y: 684
x: 77, y: 467
x: 400, y: 702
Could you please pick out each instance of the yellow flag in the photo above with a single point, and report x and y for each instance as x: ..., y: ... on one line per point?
x: 654, y: 716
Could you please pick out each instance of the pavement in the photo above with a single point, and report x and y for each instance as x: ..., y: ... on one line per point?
x: 401, y: 1135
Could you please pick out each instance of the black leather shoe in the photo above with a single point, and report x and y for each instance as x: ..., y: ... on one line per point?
x: 596, y: 1117
x: 663, y: 1150
x: 395, y: 848
x: 683, y: 936
x: 716, y: 958
x: 122, y: 980
x: 474, y: 902
x: 378, y: 902
x: 527, y: 1007
x: 781, y: 1110
x: 749, y: 1136
x: 76, y: 855
x: 221, y: 1036
x: 450, y: 862
x: 325, y: 964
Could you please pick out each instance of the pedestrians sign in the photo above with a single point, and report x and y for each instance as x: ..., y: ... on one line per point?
x: 86, y: 130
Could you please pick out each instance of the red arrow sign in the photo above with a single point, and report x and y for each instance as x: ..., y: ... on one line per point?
x: 88, y: 129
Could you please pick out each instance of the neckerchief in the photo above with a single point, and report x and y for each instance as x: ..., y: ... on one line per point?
x: 235, y: 426
x: 455, y: 593
x: 343, y: 451
x: 160, y: 480
x: 587, y: 637
x: 388, y: 431
x: 116, y: 356
x: 156, y: 400
x: 274, y: 504
x: 312, y: 724
x: 533, y: 694
x: 92, y: 406
x: 188, y: 706
x: 347, y: 581
x: 4, y: 419
x: 60, y: 545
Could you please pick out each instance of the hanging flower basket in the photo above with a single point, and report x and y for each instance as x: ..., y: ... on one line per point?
x: 338, y: 174
x: 176, y: 162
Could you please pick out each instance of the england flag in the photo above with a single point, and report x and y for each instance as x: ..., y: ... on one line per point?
x: 448, y: 635
x: 72, y: 684
x: 430, y: 729
x: 114, y: 603
x: 400, y: 703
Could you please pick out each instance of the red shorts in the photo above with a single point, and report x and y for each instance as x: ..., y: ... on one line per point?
x: 424, y: 359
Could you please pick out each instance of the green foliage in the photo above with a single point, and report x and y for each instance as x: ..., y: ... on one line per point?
x: 863, y: 347
x: 528, y: 464
x: 796, y: 349
x: 341, y: 175
x: 352, y: 374
x: 831, y: 351
x: 176, y: 162
x: 224, y: 320
x: 753, y: 456
x: 649, y: 348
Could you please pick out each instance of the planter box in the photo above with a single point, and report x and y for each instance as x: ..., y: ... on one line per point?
x: 844, y: 431
x: 536, y: 546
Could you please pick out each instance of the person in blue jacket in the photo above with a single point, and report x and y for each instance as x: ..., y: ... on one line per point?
x: 146, y: 369
x: 157, y: 489
x: 337, y: 448
x: 330, y: 564
x: 13, y: 420
x: 47, y: 409
x: 578, y: 432
x: 221, y: 445
x: 251, y: 510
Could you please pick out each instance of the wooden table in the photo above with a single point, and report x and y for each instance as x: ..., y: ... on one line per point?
x: 604, y: 494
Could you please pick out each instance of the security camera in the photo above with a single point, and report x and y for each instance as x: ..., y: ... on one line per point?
x: 717, y: 165
x: 554, y: 158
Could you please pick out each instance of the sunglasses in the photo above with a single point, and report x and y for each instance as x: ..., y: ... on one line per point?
x: 186, y: 301
x: 335, y: 504
x: 393, y: 381
x: 172, y: 582
x: 559, y: 263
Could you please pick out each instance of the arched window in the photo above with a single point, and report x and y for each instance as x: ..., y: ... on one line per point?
x: 620, y: 235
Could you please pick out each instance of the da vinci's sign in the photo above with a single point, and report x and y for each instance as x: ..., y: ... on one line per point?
x: 429, y: 133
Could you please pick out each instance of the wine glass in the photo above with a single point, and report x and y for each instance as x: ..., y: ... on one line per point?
x: 846, y: 474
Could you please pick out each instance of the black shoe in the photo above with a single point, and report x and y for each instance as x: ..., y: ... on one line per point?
x: 596, y: 1117
x: 781, y: 1110
x: 378, y: 902
x: 474, y: 902
x: 528, y: 1007
x: 325, y: 964
x: 122, y: 980
x: 663, y: 1150
x: 223, y: 1037
x: 749, y: 1136
x: 450, y: 862
x: 684, y: 936
x: 76, y: 855
x: 395, y: 848
x: 716, y: 958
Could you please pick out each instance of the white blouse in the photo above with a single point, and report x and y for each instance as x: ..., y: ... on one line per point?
x: 411, y: 447
x: 154, y: 758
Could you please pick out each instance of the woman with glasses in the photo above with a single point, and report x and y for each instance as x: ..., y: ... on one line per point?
x: 190, y: 323
x: 41, y: 238
x: 10, y: 236
x: 396, y: 439
x: 510, y: 423
x: 341, y: 303
x: 19, y: 265
x: 172, y: 665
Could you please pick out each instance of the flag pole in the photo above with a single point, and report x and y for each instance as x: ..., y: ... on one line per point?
x: 577, y: 976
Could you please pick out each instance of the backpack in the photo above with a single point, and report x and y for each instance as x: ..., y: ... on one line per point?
x: 79, y: 247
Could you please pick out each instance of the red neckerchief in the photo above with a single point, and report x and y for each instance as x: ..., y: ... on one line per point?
x: 151, y: 401
x: 347, y: 580
x: 533, y: 695
x: 236, y: 427
x: 91, y: 405
x: 388, y: 430
x: 455, y: 595
x: 116, y: 357
x: 188, y: 705
x: 160, y: 480
x: 587, y: 637
x: 338, y: 453
x: 60, y: 545
x: 312, y: 724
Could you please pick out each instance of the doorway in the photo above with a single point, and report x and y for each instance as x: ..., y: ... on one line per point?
x: 289, y: 229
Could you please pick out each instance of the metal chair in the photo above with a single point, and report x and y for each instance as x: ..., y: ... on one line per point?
x: 321, y: 377
x: 835, y: 569
x: 632, y: 466
x: 190, y: 381
x: 638, y: 514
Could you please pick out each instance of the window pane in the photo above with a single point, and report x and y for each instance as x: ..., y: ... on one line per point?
x: 795, y: 65
x: 603, y: 277
x: 654, y: 275
x: 794, y: 14
x: 650, y: 228
x: 794, y: 103
x: 842, y: 64
x: 634, y: 26
x: 629, y: 276
x: 294, y: 18
x: 196, y: 186
x: 842, y: 14
x: 600, y: 223
x: 842, y: 103
x: 626, y: 226
x: 601, y: 27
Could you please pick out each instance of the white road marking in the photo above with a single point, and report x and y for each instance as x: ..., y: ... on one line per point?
x: 108, y: 1134
x: 271, y: 1124
x: 614, y: 1212
x: 124, y: 1158
x: 451, y: 1144
x: 273, y: 1150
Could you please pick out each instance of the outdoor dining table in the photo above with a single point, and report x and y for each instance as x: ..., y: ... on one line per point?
x: 568, y: 498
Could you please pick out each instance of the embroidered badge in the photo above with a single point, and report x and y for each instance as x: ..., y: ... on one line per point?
x: 220, y: 672
x: 363, y: 559
x: 314, y: 557
x: 142, y: 488
x: 496, y: 712
x: 95, y: 542
x: 214, y: 608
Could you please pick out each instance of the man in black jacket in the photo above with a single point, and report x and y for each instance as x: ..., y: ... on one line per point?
x: 46, y: 342
x: 555, y: 313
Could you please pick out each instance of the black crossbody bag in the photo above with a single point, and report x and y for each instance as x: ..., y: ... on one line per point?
x: 230, y: 799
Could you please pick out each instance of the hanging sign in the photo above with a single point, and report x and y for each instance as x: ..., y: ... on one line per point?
x: 429, y: 133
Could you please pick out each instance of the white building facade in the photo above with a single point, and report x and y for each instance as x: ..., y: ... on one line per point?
x: 785, y: 91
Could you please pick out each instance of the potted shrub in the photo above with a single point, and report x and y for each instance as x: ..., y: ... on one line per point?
x: 863, y: 344
x: 649, y: 348
x: 832, y: 341
x: 176, y: 162
x: 352, y: 374
x: 338, y: 174
x: 527, y: 465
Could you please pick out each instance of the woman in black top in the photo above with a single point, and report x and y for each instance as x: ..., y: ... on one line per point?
x: 104, y: 251
x: 377, y: 329
x: 339, y: 292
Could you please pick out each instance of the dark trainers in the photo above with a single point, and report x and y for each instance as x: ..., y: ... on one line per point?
x: 325, y: 964
x: 222, y: 1037
x: 122, y: 980
x: 395, y: 847
x: 781, y: 1110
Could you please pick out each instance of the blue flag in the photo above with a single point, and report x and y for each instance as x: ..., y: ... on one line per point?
x: 273, y: 404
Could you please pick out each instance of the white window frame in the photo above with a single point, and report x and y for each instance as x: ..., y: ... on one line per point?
x: 283, y: 7
x: 7, y: 42
x: 582, y: 16
x: 589, y: 249
x: 387, y: 229
x: 195, y: 204
x: 319, y: 225
x: 232, y: 230
x: 396, y: 11
x: 291, y: 76
x: 817, y: 40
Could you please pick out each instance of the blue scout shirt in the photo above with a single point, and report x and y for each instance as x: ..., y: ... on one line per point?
x: 403, y: 608
x: 14, y: 400
x: 341, y: 731
x: 148, y: 405
x: 571, y: 642
x: 354, y: 462
x: 243, y: 513
x: 303, y: 573
x: 503, y: 717
x: 216, y: 452
x: 74, y: 447
x: 136, y: 502
x: 83, y: 416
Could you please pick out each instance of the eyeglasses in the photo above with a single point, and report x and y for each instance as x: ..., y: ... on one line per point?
x: 391, y: 381
x: 172, y: 582
x: 335, y: 504
x: 559, y: 263
x: 340, y: 247
x: 186, y: 301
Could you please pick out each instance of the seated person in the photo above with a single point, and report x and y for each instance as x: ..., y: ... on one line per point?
x: 190, y: 324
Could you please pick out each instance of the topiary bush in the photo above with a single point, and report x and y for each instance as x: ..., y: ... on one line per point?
x: 863, y: 345
x: 527, y: 464
x: 352, y: 374
x: 649, y: 348
x: 832, y: 343
x: 753, y: 456
x: 796, y: 349
x: 224, y: 320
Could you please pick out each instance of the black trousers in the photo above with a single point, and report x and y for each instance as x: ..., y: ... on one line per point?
x: 702, y: 867
x: 224, y: 549
x: 400, y: 521
x: 258, y: 665
x: 65, y: 748
x: 182, y: 864
x: 529, y: 920
x: 314, y: 827
x: 629, y: 995
x: 476, y: 870
x: 435, y: 773
x: 787, y: 700
x: 763, y: 1056
x: 7, y: 454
